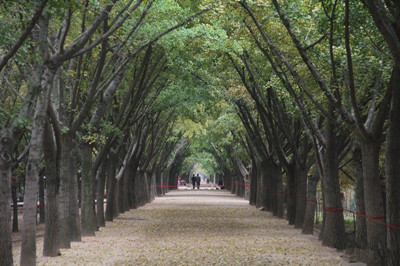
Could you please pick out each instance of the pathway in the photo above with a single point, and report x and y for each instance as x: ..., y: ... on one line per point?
x: 200, y: 227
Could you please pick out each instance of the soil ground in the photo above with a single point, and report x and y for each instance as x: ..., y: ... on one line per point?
x: 195, y: 227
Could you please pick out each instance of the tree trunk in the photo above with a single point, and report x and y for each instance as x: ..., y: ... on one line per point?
x: 146, y: 187
x: 153, y: 183
x: 51, y: 237
x: 265, y: 182
x: 28, y: 246
x: 133, y: 197
x: 334, y: 234
x: 65, y: 179
x: 15, y: 206
x: 121, y: 202
x: 253, y: 184
x: 361, y: 226
x: 308, y: 224
x: 101, y: 179
x: 392, y: 157
x: 247, y: 187
x: 125, y: 189
x: 140, y: 188
x: 165, y: 181
x: 291, y: 195
x: 111, y: 184
x: 274, y: 175
x: 374, y: 208
x: 148, y: 176
x: 6, y: 151
x: 158, y: 181
x: 88, y: 216
x: 233, y: 182
x: 260, y: 185
x: 281, y: 194
x: 301, y: 194
x: 41, y: 200
x: 131, y: 184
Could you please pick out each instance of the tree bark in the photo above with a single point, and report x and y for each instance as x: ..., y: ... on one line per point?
x: 111, y: 186
x: 65, y: 179
x: 291, y: 195
x: 42, y: 204
x: 374, y: 208
x: 125, y: 189
x: 5, y: 188
x: 308, y: 224
x: 101, y: 179
x: 74, y: 200
x: 51, y: 237
x: 69, y: 222
x: 301, y: 194
x: 334, y: 231
x: 361, y: 226
x: 28, y: 247
x: 88, y: 216
x: 158, y: 181
x: 15, y: 206
x: 121, y: 202
x: 253, y: 183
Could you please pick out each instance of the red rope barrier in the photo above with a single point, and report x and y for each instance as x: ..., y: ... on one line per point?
x: 375, y: 219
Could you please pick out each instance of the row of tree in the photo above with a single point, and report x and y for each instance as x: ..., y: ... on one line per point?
x: 81, y: 85
x: 315, y: 85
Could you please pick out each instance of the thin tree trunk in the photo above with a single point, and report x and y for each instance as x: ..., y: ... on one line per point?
x: 28, y: 246
x: 140, y: 188
x: 281, y: 195
x: 51, y: 238
x: 15, y: 206
x: 158, y: 181
x: 274, y: 172
x: 74, y: 200
x: 253, y: 183
x: 111, y: 184
x: 41, y: 200
x: 101, y: 179
x: 116, y: 198
x: 65, y: 179
x: 121, y: 202
x: 152, y: 178
x: 125, y: 189
x: 301, y: 194
x: 88, y: 221
x: 147, y: 177
x: 260, y: 185
x: 5, y: 208
x: 291, y: 195
x: 308, y: 225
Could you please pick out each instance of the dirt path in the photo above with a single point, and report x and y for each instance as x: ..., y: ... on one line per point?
x: 196, y: 228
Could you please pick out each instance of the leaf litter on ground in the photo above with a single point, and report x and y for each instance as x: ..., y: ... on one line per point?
x: 195, y: 228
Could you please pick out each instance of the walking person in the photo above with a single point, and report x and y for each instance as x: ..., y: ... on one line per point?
x: 198, y: 181
x: 194, y: 181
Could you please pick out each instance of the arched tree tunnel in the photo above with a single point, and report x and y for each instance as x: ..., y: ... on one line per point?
x: 290, y: 104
